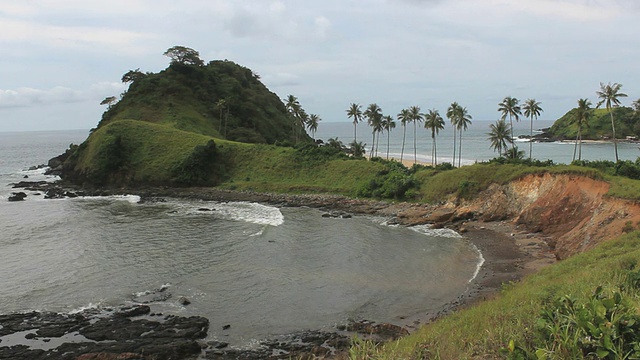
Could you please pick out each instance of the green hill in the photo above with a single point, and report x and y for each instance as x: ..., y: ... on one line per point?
x: 187, y: 97
x: 168, y: 127
x: 626, y: 120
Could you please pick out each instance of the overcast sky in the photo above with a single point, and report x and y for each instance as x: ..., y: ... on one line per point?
x: 60, y: 58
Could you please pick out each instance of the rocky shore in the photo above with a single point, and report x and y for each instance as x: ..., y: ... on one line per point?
x: 509, y: 253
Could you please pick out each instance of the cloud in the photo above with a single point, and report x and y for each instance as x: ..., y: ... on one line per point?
x: 30, y: 97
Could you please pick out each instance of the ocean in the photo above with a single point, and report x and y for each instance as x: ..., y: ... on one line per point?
x: 475, y: 146
x: 264, y: 270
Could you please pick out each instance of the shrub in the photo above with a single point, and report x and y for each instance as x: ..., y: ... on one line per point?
x: 200, y: 167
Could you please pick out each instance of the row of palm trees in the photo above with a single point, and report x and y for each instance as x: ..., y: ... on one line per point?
x: 433, y: 121
x: 500, y: 135
x: 301, y: 118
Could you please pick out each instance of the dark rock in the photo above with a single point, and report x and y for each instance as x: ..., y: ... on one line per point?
x: 25, y: 177
x: 115, y: 336
x: 133, y: 311
x: 337, y: 214
x: 19, y: 196
x: 29, y: 184
x: 226, y: 327
x: 184, y: 301
x: 218, y: 344
x: 204, y: 209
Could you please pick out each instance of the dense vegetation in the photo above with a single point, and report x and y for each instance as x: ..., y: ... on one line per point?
x: 219, y: 99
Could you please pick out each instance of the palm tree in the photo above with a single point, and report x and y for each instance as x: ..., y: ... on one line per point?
x: 357, y: 149
x: 378, y: 128
x: 499, y: 136
x: 583, y: 112
x: 293, y: 108
x: 509, y: 106
x: 609, y: 95
x: 354, y: 111
x: 464, y: 120
x: 404, y: 117
x: 374, y: 116
x: 434, y: 122
x: 452, y: 115
x: 416, y: 117
x: 636, y: 106
x: 388, y: 124
x: 303, y: 120
x: 221, y: 104
x: 312, y: 124
x: 532, y: 110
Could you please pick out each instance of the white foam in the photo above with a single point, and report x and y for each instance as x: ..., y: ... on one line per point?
x: 443, y: 233
x: 133, y: 199
x: 250, y: 212
x: 479, y: 265
x: 90, y: 306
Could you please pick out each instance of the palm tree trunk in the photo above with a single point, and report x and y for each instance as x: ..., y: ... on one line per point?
x: 404, y: 135
x: 415, y: 149
x: 580, y: 146
x: 575, y: 146
x: 355, y: 126
x: 388, y: 137
x: 531, y: 138
x: 454, y: 146
x: 435, y: 152
x: 613, y: 128
x: 460, y: 150
x: 513, y: 146
x: 433, y: 148
x: 373, y: 145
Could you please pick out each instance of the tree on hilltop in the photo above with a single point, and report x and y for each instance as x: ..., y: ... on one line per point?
x: 609, y: 95
x: 183, y: 55
x: 109, y: 101
x: 133, y: 76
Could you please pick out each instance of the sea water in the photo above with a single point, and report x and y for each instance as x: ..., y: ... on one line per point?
x: 264, y: 270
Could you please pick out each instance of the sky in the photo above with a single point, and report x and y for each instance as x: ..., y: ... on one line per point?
x: 60, y: 58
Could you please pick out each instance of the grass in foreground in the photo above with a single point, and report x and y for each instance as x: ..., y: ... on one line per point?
x: 514, y: 316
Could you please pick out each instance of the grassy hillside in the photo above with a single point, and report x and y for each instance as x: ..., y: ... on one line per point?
x: 139, y: 153
x: 626, y: 120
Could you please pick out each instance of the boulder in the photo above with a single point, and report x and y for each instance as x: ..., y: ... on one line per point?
x: 19, y: 196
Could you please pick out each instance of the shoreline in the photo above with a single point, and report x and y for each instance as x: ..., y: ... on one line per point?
x: 509, y: 253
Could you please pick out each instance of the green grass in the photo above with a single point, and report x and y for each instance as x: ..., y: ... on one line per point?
x: 481, y: 331
x: 152, y: 150
x: 279, y: 169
